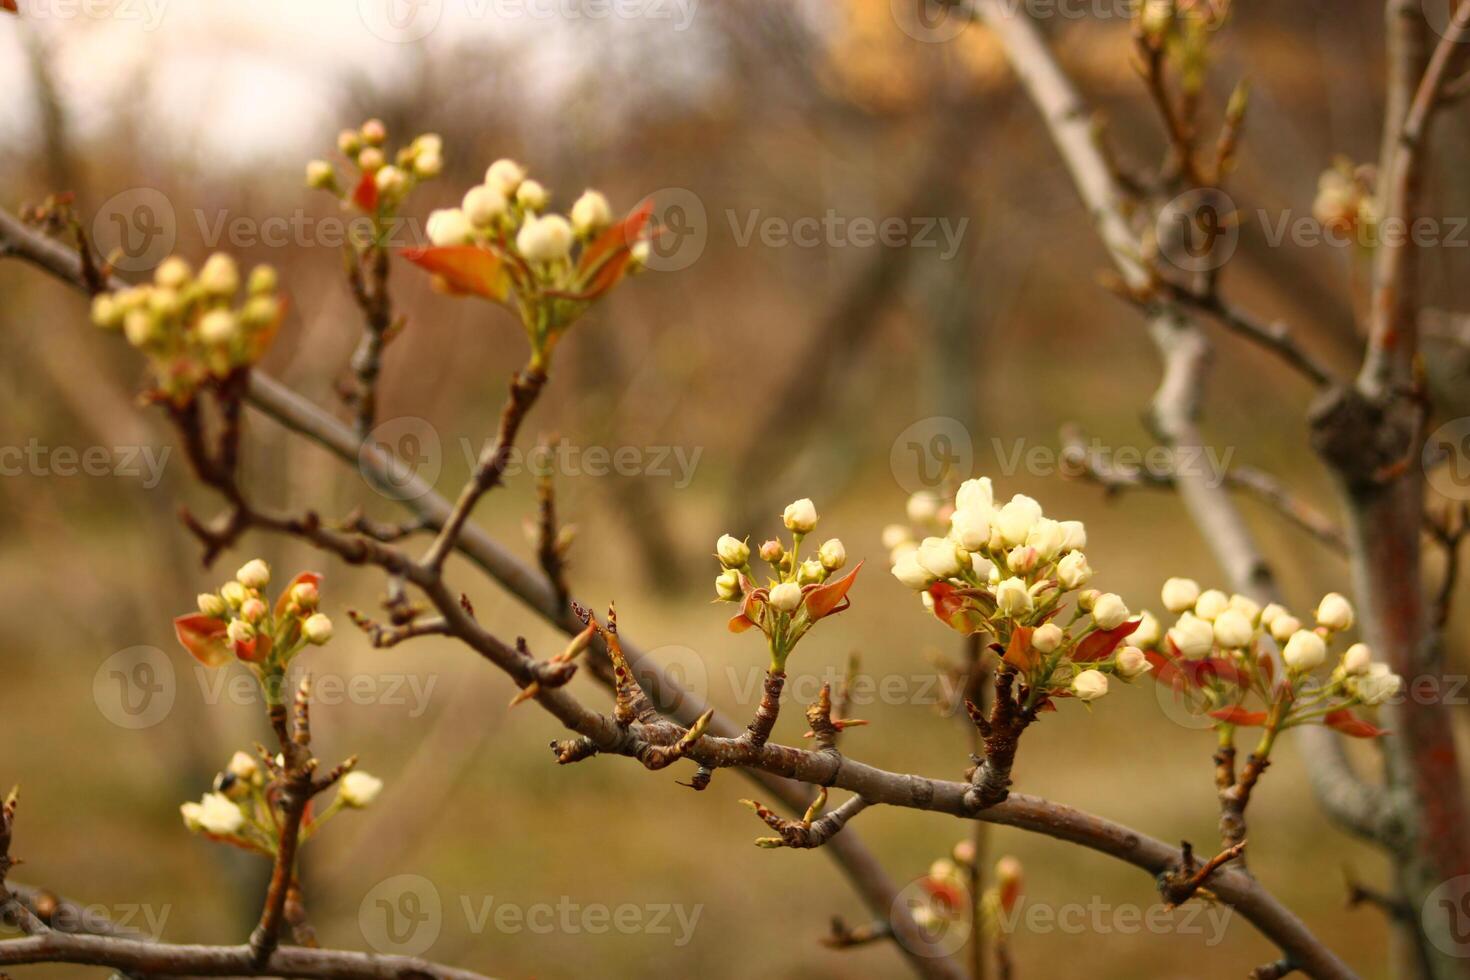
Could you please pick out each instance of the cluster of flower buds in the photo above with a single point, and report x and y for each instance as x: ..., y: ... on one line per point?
x: 237, y: 622
x: 195, y: 328
x: 1345, y: 204
x: 239, y: 810
x: 377, y: 186
x: 1011, y: 572
x: 503, y: 244
x: 798, y: 591
x: 1220, y: 651
x: 946, y: 891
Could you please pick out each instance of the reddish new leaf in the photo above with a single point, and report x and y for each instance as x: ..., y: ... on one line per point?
x: 1349, y: 724
x: 743, y: 620
x: 831, y: 597
x: 1236, y: 715
x: 365, y: 194
x: 464, y: 269
x: 311, y: 578
x: 611, y: 252
x: 204, y: 638
x: 948, y: 602
x: 10, y: 6
x: 1100, y: 644
x: 1020, y: 654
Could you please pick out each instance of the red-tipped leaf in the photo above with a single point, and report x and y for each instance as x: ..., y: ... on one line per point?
x: 1100, y: 644
x: 1351, y: 725
x: 204, y: 638
x: 365, y: 194
x: 1236, y: 715
x: 831, y: 597
x: 463, y: 269
x: 1020, y: 654
x: 611, y: 251
x: 312, y: 578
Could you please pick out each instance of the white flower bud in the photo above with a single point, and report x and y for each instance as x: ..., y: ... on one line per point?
x: 1271, y: 613
x: 1074, y: 536
x: 895, y: 535
x: 732, y: 552
x: 220, y: 276
x: 727, y: 585
x: 358, y: 789
x: 263, y: 281
x: 1180, y: 594
x: 234, y: 594
x: 483, y: 205
x: 427, y: 143
x: 1194, y: 637
x: 254, y: 574
x: 1090, y: 685
x: 211, y: 604
x: 191, y: 812
x: 1022, y: 560
x: 1047, y: 537
x: 1358, y: 659
x: 591, y: 214
x: 922, y: 507
x: 243, y: 766
x: 218, y: 327
x: 811, y: 572
x: 908, y: 571
x: 1210, y: 604
x: 970, y: 529
x: 1335, y: 612
x: 1016, y: 519
x: 1378, y: 685
x: 532, y: 196
x: 832, y: 554
x: 349, y: 141
x: 506, y: 175
x: 1246, y: 606
x: 1109, y: 612
x: 1304, y: 651
x: 240, y: 631
x: 1149, y: 631
x: 1086, y: 598
x: 106, y: 312
x: 940, y: 557
x: 374, y: 132
x: 317, y: 629
x: 218, y: 815
x: 786, y: 597
x: 546, y: 239
x: 1233, y: 630
x: 253, y: 611
x: 448, y: 226
x: 1073, y: 571
x: 800, y: 516
x: 976, y: 495
x: 172, y: 273
x: 1047, y: 637
x: 1131, y: 662
x: 370, y: 160
x: 1013, y: 598
x: 321, y: 175
x: 140, y: 327
x: 984, y: 568
x: 391, y: 181
x: 427, y: 165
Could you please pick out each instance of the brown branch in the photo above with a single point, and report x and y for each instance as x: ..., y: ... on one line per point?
x: 1274, y: 336
x: 525, y: 388
x: 1001, y: 736
x: 810, y: 831
x: 1189, y: 878
x: 1273, y: 971
x: 370, y: 292
x: 1084, y: 463
x: 163, y: 959
x: 873, y: 785
x: 844, y: 936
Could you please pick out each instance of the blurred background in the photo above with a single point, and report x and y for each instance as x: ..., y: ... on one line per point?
x: 774, y: 350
